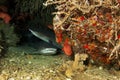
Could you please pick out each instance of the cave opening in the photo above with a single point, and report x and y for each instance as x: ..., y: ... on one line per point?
x: 24, y: 19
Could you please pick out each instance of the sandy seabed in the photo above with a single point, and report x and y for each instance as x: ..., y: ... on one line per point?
x: 17, y: 65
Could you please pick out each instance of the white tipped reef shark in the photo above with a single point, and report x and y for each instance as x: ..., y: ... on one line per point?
x: 48, y: 36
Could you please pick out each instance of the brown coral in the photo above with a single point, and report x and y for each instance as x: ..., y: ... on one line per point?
x: 91, y: 25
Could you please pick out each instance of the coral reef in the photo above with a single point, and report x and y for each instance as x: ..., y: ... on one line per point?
x: 92, y: 27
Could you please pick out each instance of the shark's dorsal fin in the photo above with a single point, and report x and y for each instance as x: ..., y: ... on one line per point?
x: 40, y: 36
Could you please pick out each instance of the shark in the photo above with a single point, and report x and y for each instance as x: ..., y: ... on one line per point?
x: 49, y: 46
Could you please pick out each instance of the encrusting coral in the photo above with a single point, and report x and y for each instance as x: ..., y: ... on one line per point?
x: 91, y: 26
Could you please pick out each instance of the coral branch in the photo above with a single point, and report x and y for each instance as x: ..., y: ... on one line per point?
x: 114, y: 52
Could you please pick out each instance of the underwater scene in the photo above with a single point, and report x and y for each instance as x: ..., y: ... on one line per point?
x: 60, y: 40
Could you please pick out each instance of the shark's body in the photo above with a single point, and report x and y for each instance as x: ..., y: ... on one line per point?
x: 49, y: 45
